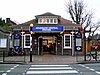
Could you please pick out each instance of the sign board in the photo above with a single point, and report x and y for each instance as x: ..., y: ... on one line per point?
x: 78, y: 42
x: 47, y: 28
x: 17, y: 38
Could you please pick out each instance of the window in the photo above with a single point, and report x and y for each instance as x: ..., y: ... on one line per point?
x: 55, y: 20
x: 67, y: 41
x: 51, y: 20
x: 47, y: 20
x: 40, y: 20
x: 44, y: 20
x: 27, y: 41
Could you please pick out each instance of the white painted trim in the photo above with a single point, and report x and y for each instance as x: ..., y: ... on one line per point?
x: 52, y: 72
x: 50, y: 68
x: 70, y: 41
x: 45, y: 22
x: 49, y: 65
x: 24, y: 40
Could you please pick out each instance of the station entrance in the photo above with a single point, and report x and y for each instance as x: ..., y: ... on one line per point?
x: 47, y: 45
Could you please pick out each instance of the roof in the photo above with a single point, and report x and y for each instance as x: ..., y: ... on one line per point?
x: 62, y: 21
x: 9, y: 21
x: 3, y: 30
x: 66, y: 22
x: 47, y: 14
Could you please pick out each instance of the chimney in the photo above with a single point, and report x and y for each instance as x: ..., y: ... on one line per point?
x: 8, y: 20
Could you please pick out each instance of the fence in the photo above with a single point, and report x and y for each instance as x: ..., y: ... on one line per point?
x: 6, y: 58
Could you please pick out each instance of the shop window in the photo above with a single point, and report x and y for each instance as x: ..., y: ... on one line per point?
x: 67, y: 41
x: 27, y: 41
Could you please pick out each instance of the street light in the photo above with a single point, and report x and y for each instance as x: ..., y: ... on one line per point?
x: 31, y: 25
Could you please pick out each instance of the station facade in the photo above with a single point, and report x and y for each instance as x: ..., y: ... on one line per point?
x: 46, y: 34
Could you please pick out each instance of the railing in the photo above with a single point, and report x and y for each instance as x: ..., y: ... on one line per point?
x: 6, y: 57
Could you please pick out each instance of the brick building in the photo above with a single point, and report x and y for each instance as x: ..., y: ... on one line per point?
x: 47, y: 29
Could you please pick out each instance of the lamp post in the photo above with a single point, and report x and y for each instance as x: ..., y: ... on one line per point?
x: 84, y: 37
x: 31, y: 25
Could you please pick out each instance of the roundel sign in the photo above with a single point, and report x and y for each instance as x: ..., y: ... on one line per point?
x: 78, y: 48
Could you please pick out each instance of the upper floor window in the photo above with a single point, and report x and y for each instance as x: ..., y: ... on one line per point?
x: 55, y: 20
x: 47, y: 21
x: 40, y: 20
x: 51, y: 20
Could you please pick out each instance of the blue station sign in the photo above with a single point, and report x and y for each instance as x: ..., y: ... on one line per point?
x: 47, y: 29
x: 16, y: 36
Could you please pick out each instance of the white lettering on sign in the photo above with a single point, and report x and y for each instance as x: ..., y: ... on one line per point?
x: 46, y: 28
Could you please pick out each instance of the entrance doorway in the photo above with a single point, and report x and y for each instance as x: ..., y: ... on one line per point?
x: 47, y: 45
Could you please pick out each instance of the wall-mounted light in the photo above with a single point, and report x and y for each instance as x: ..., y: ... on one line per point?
x: 61, y: 32
x: 31, y: 25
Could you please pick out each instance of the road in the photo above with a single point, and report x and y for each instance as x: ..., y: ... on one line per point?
x: 67, y: 69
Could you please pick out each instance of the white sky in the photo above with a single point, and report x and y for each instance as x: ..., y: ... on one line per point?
x: 25, y: 10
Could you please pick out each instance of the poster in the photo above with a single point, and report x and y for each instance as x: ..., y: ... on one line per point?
x: 78, y: 42
x: 3, y: 43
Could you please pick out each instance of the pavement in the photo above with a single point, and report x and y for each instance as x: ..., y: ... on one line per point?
x: 53, y: 59
x: 48, y: 59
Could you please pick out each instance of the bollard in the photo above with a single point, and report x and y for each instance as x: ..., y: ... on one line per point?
x: 31, y: 54
x: 3, y: 56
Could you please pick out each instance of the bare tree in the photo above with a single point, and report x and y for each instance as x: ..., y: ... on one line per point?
x: 93, y: 28
x: 79, y: 15
x: 77, y: 11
